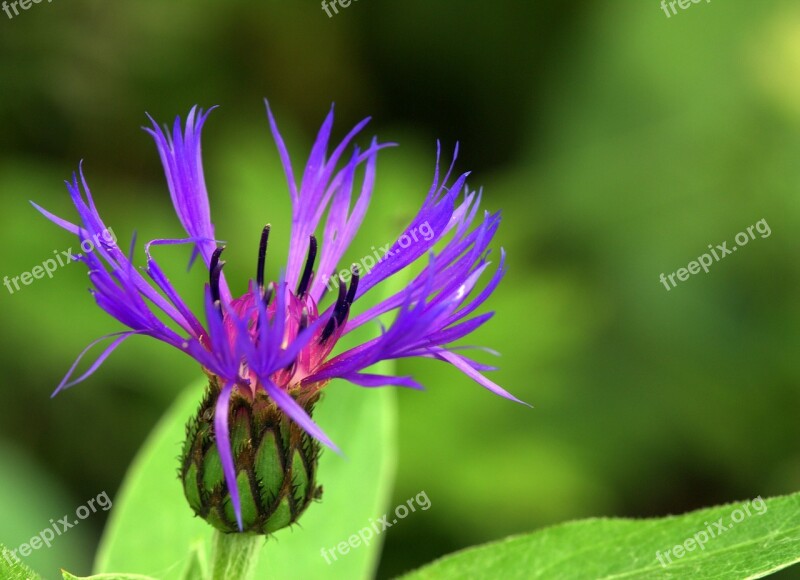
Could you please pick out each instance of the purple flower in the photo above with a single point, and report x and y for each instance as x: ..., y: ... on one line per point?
x: 274, y: 337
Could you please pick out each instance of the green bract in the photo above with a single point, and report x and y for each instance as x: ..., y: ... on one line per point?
x: 276, y: 464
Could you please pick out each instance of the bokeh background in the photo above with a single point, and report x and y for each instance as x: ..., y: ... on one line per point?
x: 618, y: 144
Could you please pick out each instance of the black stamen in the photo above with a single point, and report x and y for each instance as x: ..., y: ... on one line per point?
x: 215, y: 274
x: 215, y: 259
x: 329, y: 328
x: 214, y: 271
x: 336, y: 316
x: 351, y: 293
x: 342, y: 314
x: 312, y: 255
x: 341, y: 300
x: 262, y: 256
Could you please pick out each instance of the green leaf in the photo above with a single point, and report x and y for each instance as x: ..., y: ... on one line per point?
x: 12, y: 568
x: 751, y: 546
x: 153, y: 531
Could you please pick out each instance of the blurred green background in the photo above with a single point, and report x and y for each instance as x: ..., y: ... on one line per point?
x: 618, y: 143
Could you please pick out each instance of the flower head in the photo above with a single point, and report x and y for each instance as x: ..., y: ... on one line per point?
x: 274, y: 341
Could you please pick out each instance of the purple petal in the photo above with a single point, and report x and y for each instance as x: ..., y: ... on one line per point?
x: 121, y: 336
x: 225, y: 449
x: 315, y: 192
x: 161, y: 280
x: 462, y: 365
x: 69, y: 226
x: 341, y: 227
x: 130, y: 280
x: 296, y: 413
x: 181, y: 156
x: 370, y: 380
x: 437, y: 217
x: 283, y: 153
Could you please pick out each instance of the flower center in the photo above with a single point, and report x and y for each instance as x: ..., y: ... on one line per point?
x: 298, y: 309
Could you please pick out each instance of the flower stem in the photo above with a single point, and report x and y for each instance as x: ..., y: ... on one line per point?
x: 234, y: 556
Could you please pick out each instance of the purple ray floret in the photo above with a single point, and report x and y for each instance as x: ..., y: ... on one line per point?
x: 274, y: 338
